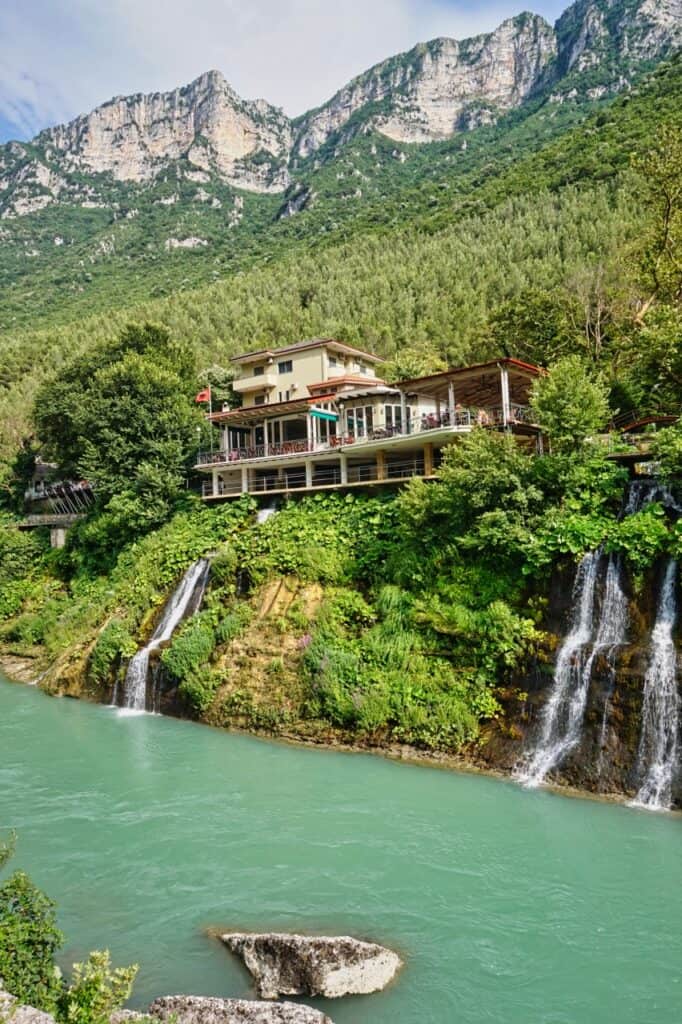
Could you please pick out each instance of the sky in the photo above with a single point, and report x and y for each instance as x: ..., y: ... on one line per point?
x: 61, y: 58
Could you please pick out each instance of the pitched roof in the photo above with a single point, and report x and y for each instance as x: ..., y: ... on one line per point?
x: 299, y: 346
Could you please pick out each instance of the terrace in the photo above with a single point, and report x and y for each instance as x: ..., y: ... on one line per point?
x: 462, y: 421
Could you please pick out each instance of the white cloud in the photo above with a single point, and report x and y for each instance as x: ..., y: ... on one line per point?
x: 64, y: 57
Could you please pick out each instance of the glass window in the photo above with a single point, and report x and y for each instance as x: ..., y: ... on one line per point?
x: 394, y: 417
x: 258, y: 371
x: 286, y: 366
x: 369, y: 418
x: 360, y: 422
x: 259, y: 400
x: 351, y: 421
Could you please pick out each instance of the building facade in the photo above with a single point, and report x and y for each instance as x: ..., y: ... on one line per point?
x: 316, y: 416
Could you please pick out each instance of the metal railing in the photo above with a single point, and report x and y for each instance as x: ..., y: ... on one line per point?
x: 462, y: 419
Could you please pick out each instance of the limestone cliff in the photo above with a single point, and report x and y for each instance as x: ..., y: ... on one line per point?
x: 440, y: 87
x: 205, y: 122
x: 204, y: 132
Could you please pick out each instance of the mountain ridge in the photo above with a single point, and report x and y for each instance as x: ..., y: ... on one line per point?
x: 432, y: 92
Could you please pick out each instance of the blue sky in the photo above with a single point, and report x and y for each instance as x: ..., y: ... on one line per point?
x: 61, y: 58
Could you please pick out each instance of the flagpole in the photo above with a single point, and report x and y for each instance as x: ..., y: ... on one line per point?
x: 210, y: 413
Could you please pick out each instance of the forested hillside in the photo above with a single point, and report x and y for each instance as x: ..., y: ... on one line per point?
x: 437, y: 272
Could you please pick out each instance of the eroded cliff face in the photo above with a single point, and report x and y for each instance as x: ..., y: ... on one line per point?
x: 441, y: 87
x: 205, y: 132
x: 134, y: 137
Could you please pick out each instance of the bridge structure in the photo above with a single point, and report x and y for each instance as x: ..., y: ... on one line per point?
x: 632, y: 425
x: 57, y: 523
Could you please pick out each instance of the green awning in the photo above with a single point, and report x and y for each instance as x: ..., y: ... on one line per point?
x: 323, y: 414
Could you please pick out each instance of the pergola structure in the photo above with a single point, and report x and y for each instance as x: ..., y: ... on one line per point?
x: 497, y: 392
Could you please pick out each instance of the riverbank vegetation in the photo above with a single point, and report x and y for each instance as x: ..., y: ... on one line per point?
x: 29, y: 944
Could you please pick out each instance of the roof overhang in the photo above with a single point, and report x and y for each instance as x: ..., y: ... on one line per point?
x: 247, y: 416
x: 474, y: 385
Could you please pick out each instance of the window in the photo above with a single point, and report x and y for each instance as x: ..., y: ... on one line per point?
x: 258, y: 371
x: 394, y: 417
x: 259, y: 400
x: 360, y: 422
x: 286, y: 366
x: 333, y: 362
x: 284, y: 396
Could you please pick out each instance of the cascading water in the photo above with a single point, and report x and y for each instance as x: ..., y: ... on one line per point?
x: 563, y: 712
x: 612, y: 634
x: 185, y: 600
x: 657, y: 758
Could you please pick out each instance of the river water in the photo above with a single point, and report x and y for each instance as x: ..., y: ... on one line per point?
x: 510, y: 906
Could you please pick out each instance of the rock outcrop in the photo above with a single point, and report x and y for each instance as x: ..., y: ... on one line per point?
x: 206, y: 123
x: 440, y: 87
x: 205, y: 133
x: 12, y: 1010
x: 313, y: 966
x: 203, y: 1010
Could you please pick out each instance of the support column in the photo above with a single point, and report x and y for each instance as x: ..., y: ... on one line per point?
x: 381, y: 465
x: 215, y: 483
x: 309, y: 432
x: 451, y: 403
x: 245, y: 480
x: 344, y: 468
x: 266, y: 446
x: 308, y: 473
x: 428, y: 460
x: 506, y: 403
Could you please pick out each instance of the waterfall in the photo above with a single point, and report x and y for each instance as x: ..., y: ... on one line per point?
x: 266, y: 511
x: 657, y: 758
x: 562, y: 714
x: 184, y: 601
x: 565, y: 709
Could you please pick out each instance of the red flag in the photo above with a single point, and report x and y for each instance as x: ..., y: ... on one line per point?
x: 204, y: 396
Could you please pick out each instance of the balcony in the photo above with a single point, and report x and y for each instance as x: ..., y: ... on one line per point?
x: 260, y: 382
x: 463, y: 421
x: 323, y: 478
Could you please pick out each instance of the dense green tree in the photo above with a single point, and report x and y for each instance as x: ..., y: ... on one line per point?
x: 136, y: 429
x: 570, y: 404
x: 29, y: 940
x: 534, y: 326
x: 667, y: 447
x: 660, y: 171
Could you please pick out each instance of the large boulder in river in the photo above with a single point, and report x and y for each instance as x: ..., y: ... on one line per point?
x: 291, y: 965
x: 204, y: 1010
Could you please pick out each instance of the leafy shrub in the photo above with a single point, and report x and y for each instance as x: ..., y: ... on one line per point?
x: 191, y: 647
x: 29, y: 940
x: 115, y: 641
x: 642, y: 537
x: 97, y: 990
x: 198, y: 689
x: 232, y: 624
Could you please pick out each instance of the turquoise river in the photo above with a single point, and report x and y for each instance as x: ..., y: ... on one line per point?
x: 510, y: 906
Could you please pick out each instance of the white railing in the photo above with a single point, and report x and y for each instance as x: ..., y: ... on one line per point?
x: 462, y: 420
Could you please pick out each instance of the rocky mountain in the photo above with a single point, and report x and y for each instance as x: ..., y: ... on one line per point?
x: 134, y: 138
x: 151, y: 194
x: 205, y: 130
x: 440, y: 87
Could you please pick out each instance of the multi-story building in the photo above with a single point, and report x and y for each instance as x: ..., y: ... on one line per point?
x: 315, y: 416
